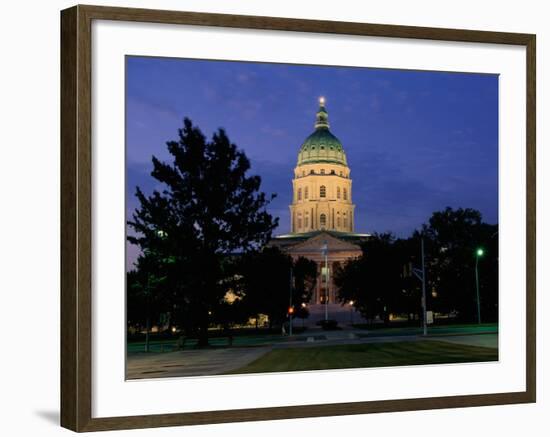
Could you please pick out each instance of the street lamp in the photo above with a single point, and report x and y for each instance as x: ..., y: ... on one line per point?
x: 324, y: 250
x: 351, y: 302
x: 479, y: 254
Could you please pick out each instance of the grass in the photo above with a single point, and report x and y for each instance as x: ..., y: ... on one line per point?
x: 250, y: 337
x: 242, y: 341
x: 368, y: 355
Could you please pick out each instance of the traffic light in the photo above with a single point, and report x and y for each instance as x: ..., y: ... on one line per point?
x: 290, y: 311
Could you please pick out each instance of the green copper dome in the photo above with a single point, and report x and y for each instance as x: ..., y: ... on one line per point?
x: 322, y: 146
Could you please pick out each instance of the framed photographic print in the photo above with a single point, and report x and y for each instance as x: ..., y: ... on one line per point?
x: 268, y: 218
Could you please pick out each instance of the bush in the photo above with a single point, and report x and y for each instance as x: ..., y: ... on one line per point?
x: 329, y: 325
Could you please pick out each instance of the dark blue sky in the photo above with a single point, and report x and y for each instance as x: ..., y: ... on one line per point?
x: 416, y: 141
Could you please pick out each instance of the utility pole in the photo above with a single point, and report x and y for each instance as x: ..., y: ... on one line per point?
x: 290, y: 309
x: 325, y: 253
x: 424, y: 311
x: 421, y: 275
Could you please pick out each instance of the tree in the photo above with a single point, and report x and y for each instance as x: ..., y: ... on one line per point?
x: 304, y: 272
x: 374, y: 281
x: 145, y: 296
x: 209, y: 208
x: 271, y: 280
x: 452, y: 237
x: 266, y: 283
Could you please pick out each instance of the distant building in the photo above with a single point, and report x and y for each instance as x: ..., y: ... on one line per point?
x: 322, y: 210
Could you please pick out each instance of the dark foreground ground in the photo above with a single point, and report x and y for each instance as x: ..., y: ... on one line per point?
x: 404, y: 353
x: 318, y: 350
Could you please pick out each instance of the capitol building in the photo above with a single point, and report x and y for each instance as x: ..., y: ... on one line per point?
x: 322, y: 210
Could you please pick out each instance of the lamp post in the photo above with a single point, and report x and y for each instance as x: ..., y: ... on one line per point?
x: 479, y: 254
x: 424, y: 311
x: 351, y: 312
x: 290, y: 308
x: 421, y: 275
x: 325, y: 254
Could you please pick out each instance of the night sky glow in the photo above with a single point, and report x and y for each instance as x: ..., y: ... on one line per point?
x: 416, y: 142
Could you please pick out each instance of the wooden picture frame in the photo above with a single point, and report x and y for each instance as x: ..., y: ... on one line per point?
x: 76, y: 217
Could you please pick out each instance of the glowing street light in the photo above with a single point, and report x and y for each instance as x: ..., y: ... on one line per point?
x: 479, y: 253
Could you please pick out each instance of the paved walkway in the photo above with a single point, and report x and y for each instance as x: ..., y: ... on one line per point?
x: 482, y: 340
x: 198, y: 362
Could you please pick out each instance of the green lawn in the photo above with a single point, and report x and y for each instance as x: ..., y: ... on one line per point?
x: 368, y: 355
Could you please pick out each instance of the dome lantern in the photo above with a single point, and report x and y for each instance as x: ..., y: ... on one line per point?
x: 322, y: 145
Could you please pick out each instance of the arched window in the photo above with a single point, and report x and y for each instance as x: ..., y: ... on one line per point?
x: 306, y: 193
x: 337, y: 192
x: 323, y: 220
x: 345, y: 221
x: 323, y: 191
x: 345, y: 194
x: 299, y: 221
x: 306, y: 221
x: 299, y: 194
x: 338, y: 221
x: 312, y: 171
x: 322, y: 171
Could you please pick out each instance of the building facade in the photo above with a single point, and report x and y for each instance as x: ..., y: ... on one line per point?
x: 322, y: 212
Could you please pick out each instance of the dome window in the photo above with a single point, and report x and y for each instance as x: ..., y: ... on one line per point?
x: 345, y: 194
x: 322, y: 171
x: 306, y: 192
x: 323, y: 191
x: 299, y: 194
x: 337, y: 192
x: 323, y: 220
x: 312, y: 171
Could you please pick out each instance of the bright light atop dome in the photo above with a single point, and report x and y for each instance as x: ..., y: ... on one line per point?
x: 321, y: 100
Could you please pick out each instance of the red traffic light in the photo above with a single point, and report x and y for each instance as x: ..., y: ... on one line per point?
x: 291, y: 310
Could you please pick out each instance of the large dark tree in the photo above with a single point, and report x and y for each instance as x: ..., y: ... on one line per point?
x: 271, y: 281
x: 304, y: 273
x: 266, y: 283
x: 374, y: 281
x: 145, y: 296
x: 452, y: 237
x: 209, y: 208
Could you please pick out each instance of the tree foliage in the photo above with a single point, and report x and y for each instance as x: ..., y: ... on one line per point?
x: 380, y: 280
x: 452, y: 237
x: 209, y: 208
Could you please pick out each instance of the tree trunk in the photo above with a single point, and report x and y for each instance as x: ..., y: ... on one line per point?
x: 147, y: 329
x: 203, y: 333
